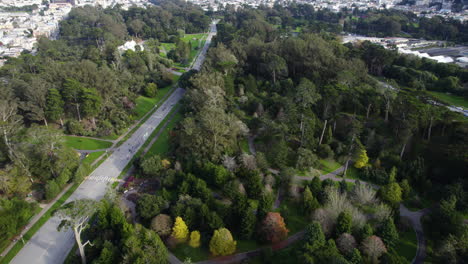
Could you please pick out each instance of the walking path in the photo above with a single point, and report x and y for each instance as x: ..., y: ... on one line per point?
x: 415, y: 220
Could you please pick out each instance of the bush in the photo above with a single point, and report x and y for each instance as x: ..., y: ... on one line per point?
x: 325, y: 152
x: 364, y: 194
x: 273, y: 228
x: 51, y: 190
x: 346, y: 243
x: 75, y: 128
x: 151, y: 89
x: 162, y: 225
x: 222, y: 243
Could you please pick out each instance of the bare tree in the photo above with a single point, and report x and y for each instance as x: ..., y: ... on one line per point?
x: 75, y: 215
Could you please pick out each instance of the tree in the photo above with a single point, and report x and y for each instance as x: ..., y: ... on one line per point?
x: 152, y: 166
x: 144, y: 246
x: 362, y: 159
x: 388, y: 232
x: 162, y: 225
x: 71, y: 92
x: 222, y: 243
x: 373, y: 247
x: 151, y: 89
x: 149, y: 206
x: 391, y: 193
x: 180, y: 230
x: 273, y: 228
x: 90, y: 103
x: 305, y: 159
x: 355, y: 257
x: 365, y: 232
x: 310, y: 203
x: 343, y: 223
x: 346, y: 244
x: 194, y: 239
x: 75, y: 215
x: 248, y: 223
x: 264, y: 205
x: 405, y: 189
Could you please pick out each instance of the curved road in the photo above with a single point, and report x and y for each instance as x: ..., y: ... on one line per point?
x: 49, y: 246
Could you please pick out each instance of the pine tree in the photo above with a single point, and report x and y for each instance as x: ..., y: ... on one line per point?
x: 388, y: 232
x: 222, y: 243
x: 194, y: 239
x: 344, y: 222
x: 180, y: 230
x: 355, y: 257
x: 248, y: 223
x: 54, y: 105
x: 391, y: 193
x: 362, y: 159
x: 310, y: 203
x: 366, y: 231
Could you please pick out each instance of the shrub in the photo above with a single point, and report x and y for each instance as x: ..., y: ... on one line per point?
x: 51, y: 190
x: 222, y: 243
x: 364, y: 194
x: 75, y: 128
x: 151, y: 89
x: 346, y: 243
x: 273, y: 228
x: 162, y: 225
x: 180, y: 230
x: 373, y: 247
x: 194, y: 239
x: 325, y: 152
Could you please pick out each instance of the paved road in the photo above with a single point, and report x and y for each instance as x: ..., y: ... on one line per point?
x: 48, y: 246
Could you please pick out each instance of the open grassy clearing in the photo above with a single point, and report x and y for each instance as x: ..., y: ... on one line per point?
x: 450, y: 99
x: 92, y: 157
x: 407, y: 245
x: 328, y: 165
x: 86, y: 143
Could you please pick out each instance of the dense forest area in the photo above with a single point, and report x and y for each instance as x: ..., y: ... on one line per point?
x: 265, y: 117
x: 79, y: 84
x: 302, y: 101
x: 379, y: 23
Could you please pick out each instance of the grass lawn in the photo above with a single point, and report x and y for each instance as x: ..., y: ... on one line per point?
x: 407, y: 245
x: 197, y: 41
x: 184, y: 251
x: 92, y: 157
x: 246, y: 245
x: 86, y: 143
x: 161, y: 145
x: 293, y: 216
x: 327, y: 165
x: 451, y: 99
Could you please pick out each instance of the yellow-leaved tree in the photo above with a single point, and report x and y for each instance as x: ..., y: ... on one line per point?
x: 222, y: 243
x: 194, y: 239
x: 362, y: 159
x: 180, y: 230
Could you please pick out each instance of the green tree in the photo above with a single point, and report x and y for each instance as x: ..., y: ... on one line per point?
x: 222, y: 243
x: 391, y: 193
x: 51, y: 190
x: 71, y: 93
x: 54, y: 105
x: 388, y: 232
x: 90, y: 103
x: 310, y: 203
x: 248, y: 223
x: 148, y: 206
x: 151, y: 89
x: 344, y: 223
x: 355, y: 257
x: 151, y: 166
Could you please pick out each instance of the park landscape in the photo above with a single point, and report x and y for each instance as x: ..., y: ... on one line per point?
x: 284, y: 146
